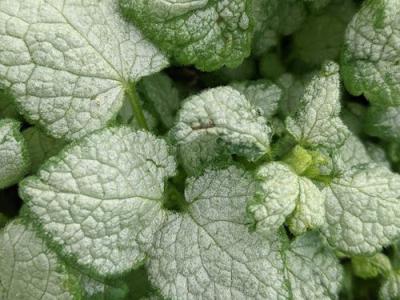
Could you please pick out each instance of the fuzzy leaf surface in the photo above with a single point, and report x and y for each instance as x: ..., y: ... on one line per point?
x: 207, y: 252
x: 29, y: 270
x: 99, y: 200
x: 226, y: 113
x: 363, y: 209
x: 316, y: 121
x: 67, y: 62
x: 14, y: 156
x: 370, y: 57
x: 208, y: 34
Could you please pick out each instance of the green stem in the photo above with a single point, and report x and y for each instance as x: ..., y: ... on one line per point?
x: 130, y: 90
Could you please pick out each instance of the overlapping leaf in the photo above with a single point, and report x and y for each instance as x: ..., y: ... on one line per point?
x: 207, y: 252
x: 208, y: 34
x: 14, y: 156
x: 29, y: 270
x: 227, y: 114
x: 67, y: 63
x: 370, y: 58
x: 317, y: 121
x: 100, y: 200
x: 363, y: 209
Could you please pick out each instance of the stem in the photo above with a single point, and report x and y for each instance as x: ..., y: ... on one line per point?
x: 130, y: 90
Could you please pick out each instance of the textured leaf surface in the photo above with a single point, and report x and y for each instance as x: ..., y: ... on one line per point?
x: 353, y: 115
x: 350, y: 154
x: 390, y: 289
x: 371, y: 266
x: 282, y: 194
x: 202, y: 153
x: 310, y: 208
x: 353, y: 152
x: 226, y: 113
x: 67, y: 62
x: 126, y: 117
x: 261, y: 93
x: 208, y: 34
x: 99, y: 290
x: 266, y: 23
x: 377, y: 154
x: 316, y: 5
x: 29, y: 270
x: 321, y: 36
x: 3, y: 220
x: 370, y: 58
x: 312, y: 270
x: 292, y: 91
x: 14, y: 157
x: 274, y: 18
x: 7, y: 106
x: 384, y: 122
x: 291, y: 14
x: 40, y: 146
x: 363, y: 209
x: 317, y: 122
x: 208, y: 252
x: 276, y: 197
x: 100, y: 199
x: 162, y: 95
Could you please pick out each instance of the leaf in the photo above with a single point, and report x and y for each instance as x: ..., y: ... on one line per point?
x: 265, y: 25
x: 363, y: 209
x: 126, y: 116
x: 383, y: 122
x: 271, y: 66
x: 370, y: 56
x: 317, y: 121
x: 316, y: 5
x: 281, y: 195
x: 292, y: 91
x: 208, y: 34
x: 29, y: 269
x: 140, y: 286
x: 353, y: 153
x: 160, y: 92
x: 291, y: 15
x: 99, y: 290
x: 100, y: 200
x: 350, y: 154
x: 224, y: 76
x: 377, y: 154
x: 276, y: 197
x: 371, y: 266
x: 390, y: 289
x: 321, y: 36
x: 208, y: 253
x: 273, y: 18
x: 312, y: 269
x: 202, y: 153
x: 225, y: 113
x: 7, y: 106
x: 310, y: 208
x: 68, y: 63
x: 282, y: 16
x: 262, y: 94
x: 14, y: 156
x: 3, y: 220
x: 40, y: 146
x: 354, y: 117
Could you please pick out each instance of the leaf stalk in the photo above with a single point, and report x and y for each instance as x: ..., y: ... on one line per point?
x: 133, y: 96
